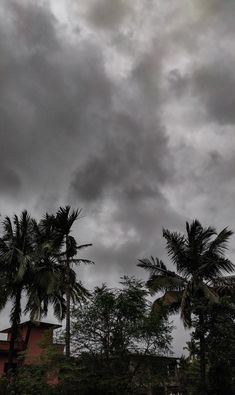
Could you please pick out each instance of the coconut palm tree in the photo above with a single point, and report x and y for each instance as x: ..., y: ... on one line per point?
x: 29, y: 267
x: 49, y: 273
x: 201, y: 266
x: 63, y: 222
x: 15, y: 259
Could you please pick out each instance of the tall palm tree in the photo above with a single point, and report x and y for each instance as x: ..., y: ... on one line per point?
x: 15, y: 259
x: 46, y: 274
x: 49, y: 273
x: 29, y: 267
x: 199, y: 257
x: 63, y: 222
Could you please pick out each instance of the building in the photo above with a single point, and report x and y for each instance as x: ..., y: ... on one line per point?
x: 28, y: 347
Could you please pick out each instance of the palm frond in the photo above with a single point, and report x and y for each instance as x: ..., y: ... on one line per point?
x: 214, y: 265
x: 175, y: 245
x: 197, y: 234
x: 210, y: 293
x: 8, y: 229
x: 220, y: 244
x: 80, y: 247
x: 157, y: 283
x: 65, y: 218
x: 224, y: 286
x: 153, y: 265
x: 78, y: 261
x: 79, y: 293
x: 170, y: 302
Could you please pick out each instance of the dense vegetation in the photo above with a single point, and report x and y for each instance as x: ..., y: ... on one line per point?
x: 116, y: 340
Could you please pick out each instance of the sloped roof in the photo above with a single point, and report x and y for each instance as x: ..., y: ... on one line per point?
x: 46, y: 325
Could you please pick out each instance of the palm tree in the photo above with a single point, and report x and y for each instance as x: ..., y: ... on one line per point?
x: 199, y: 257
x: 46, y: 276
x: 49, y: 273
x: 29, y: 266
x: 63, y: 222
x: 15, y: 259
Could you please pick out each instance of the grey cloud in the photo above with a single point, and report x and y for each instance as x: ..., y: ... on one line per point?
x: 215, y: 84
x: 212, y: 85
x: 133, y: 159
x: 107, y: 14
x: 50, y: 93
x: 178, y: 83
x: 219, y: 15
x: 206, y: 75
x: 35, y: 25
x: 131, y: 163
x: 10, y: 182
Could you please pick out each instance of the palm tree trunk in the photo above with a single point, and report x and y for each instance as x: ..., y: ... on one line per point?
x: 202, y: 355
x: 14, y: 328
x: 68, y: 302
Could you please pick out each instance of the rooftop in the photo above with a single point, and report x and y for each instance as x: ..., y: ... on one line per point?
x: 47, y: 325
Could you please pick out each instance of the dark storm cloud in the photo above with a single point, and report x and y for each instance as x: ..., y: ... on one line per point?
x: 107, y: 14
x: 71, y: 129
x: 215, y: 85
x: 209, y: 49
x: 10, y: 180
x: 51, y: 92
x: 130, y: 163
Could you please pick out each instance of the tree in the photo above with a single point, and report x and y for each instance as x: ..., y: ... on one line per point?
x: 62, y: 227
x: 199, y: 257
x: 114, y: 333
x: 50, y: 272
x: 16, y: 252
x: 220, y: 340
x: 30, y: 265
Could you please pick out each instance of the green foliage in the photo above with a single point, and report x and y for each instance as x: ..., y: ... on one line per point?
x: 190, y: 377
x: 32, y: 263
x: 199, y: 257
x: 118, y: 321
x: 29, y: 380
x: 221, y: 348
x: 111, y: 330
x: 219, y: 330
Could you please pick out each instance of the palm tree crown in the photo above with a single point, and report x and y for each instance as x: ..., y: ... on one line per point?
x: 199, y: 257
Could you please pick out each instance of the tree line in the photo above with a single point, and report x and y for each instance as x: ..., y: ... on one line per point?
x: 108, y: 326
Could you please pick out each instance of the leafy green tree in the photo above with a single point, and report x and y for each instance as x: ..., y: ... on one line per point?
x: 220, y: 347
x: 190, y: 376
x: 199, y: 257
x: 29, y: 380
x: 113, y: 330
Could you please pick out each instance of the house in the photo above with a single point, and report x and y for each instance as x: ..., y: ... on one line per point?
x: 27, y: 347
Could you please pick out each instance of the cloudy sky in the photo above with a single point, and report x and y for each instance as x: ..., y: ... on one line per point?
x: 124, y: 108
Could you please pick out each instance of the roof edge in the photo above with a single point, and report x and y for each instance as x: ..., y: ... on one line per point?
x: 35, y: 324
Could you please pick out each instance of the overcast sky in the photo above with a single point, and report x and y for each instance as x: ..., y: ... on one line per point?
x: 124, y: 108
